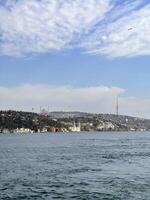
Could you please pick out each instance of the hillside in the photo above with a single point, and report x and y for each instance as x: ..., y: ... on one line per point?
x: 12, y: 120
x: 15, y: 121
x: 120, y: 122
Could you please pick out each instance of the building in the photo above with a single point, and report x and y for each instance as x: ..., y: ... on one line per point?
x: 23, y: 130
x: 75, y: 128
x: 105, y: 126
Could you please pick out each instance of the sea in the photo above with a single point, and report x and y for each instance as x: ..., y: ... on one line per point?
x: 85, y: 166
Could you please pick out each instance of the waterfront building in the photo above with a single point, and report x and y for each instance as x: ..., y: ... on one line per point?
x: 76, y: 127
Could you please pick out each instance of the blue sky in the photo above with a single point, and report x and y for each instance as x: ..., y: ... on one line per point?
x: 79, y: 70
x: 72, y: 50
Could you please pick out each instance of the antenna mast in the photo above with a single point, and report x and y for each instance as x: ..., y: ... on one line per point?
x: 117, y: 107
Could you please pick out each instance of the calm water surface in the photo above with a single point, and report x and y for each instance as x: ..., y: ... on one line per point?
x: 104, y: 166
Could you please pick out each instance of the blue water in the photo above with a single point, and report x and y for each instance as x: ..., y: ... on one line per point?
x: 104, y: 166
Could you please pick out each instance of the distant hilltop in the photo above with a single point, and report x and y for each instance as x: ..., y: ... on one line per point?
x: 119, y: 122
x: 25, y: 122
x: 78, y: 114
x: 75, y: 114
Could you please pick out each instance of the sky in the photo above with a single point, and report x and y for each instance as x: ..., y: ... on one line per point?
x: 75, y: 55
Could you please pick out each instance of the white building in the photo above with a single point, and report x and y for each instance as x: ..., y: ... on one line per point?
x: 23, y: 130
x: 105, y: 126
x: 75, y: 127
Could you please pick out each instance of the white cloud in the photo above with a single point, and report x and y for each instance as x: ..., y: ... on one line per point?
x: 107, y: 27
x: 100, y: 99
x: 94, y: 99
x: 126, y: 36
x: 36, y: 26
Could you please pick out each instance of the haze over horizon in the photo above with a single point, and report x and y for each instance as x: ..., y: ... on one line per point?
x: 75, y: 55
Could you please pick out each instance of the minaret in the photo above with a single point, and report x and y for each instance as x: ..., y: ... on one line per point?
x: 79, y: 126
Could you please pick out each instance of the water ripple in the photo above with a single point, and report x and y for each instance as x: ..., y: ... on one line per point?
x: 103, y: 166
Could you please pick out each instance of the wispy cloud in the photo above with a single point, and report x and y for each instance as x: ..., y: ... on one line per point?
x: 100, y: 99
x: 126, y: 36
x: 33, y: 26
x: 112, y: 28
